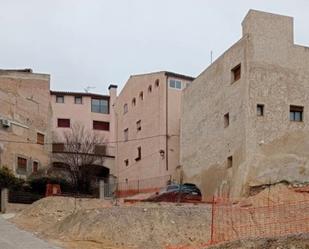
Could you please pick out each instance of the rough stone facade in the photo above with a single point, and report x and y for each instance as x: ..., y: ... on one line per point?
x: 25, y: 112
x: 252, y: 149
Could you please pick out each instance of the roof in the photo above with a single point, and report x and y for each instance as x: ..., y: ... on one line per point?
x: 25, y: 70
x: 168, y: 73
x: 79, y: 94
x: 177, y: 75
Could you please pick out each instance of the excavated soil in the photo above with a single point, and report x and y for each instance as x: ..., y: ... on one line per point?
x: 291, y: 242
x: 78, y: 224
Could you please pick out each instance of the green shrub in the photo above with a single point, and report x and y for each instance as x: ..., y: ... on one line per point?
x: 9, y: 180
x: 38, y: 184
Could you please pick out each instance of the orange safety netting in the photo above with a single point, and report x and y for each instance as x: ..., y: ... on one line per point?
x: 272, y: 213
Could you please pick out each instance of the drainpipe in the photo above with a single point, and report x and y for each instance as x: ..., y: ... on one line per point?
x: 166, y: 122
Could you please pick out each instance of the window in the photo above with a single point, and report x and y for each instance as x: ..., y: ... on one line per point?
x: 141, y: 95
x: 175, y: 84
x: 21, y: 165
x: 296, y: 113
x: 78, y: 100
x: 126, y: 134
x: 58, y: 147
x: 125, y: 108
x: 139, y: 154
x: 157, y: 83
x: 134, y: 101
x: 100, y: 150
x: 260, y: 110
x: 64, y: 123
x: 40, y: 138
x: 59, y: 99
x: 236, y: 73
x: 230, y: 162
x: 35, y: 166
x: 126, y: 162
x: 100, y: 105
x: 139, y: 125
x: 100, y: 125
x: 150, y: 88
x: 226, y: 120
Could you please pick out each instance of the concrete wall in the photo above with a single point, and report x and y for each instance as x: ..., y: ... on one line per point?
x: 265, y: 149
x: 24, y: 101
x: 81, y: 114
x: 152, y: 111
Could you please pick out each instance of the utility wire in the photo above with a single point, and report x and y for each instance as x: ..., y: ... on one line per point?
x: 102, y: 143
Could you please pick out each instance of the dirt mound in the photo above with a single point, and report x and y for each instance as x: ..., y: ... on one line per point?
x: 291, y: 242
x: 48, y: 211
x: 279, y: 193
x: 151, y: 227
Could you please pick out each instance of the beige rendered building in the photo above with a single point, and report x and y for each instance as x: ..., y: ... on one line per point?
x: 25, y: 116
x: 148, y: 127
x: 94, y: 112
x: 245, y: 119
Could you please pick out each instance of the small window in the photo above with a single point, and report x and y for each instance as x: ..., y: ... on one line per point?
x: 175, y: 84
x: 35, y: 167
x: 134, y: 102
x: 21, y: 165
x: 296, y: 113
x: 157, y: 83
x: 64, y: 123
x: 78, y: 100
x: 150, y: 88
x: 100, y: 105
x: 100, y: 125
x: 236, y: 73
x: 226, y: 120
x: 125, y: 108
x: 40, y: 138
x: 260, y: 110
x: 100, y: 149
x: 230, y: 162
x: 126, y: 134
x: 139, y: 125
x: 126, y: 162
x: 141, y: 95
x: 139, y: 154
x: 58, y: 147
x: 60, y: 99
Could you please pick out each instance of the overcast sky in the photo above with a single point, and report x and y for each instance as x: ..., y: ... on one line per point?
x: 97, y: 42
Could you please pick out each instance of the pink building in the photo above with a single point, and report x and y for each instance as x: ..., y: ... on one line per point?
x: 148, y: 126
x: 92, y: 111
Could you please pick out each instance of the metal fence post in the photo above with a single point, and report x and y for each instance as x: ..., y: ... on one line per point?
x: 4, y: 199
x: 137, y: 186
x: 101, y: 189
x: 212, y: 220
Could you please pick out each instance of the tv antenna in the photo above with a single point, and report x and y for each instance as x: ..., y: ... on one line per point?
x: 88, y: 88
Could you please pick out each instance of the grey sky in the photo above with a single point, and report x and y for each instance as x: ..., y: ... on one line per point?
x: 97, y: 42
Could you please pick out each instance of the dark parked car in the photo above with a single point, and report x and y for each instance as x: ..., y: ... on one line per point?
x: 186, y: 192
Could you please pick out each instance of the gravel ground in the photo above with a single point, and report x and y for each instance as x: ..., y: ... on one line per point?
x: 290, y: 242
x: 99, y: 225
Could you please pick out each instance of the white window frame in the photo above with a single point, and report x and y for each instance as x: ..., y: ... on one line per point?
x: 175, y: 83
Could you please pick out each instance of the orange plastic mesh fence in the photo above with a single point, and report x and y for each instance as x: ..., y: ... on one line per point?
x: 281, y: 212
x: 129, y: 188
x: 265, y: 219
